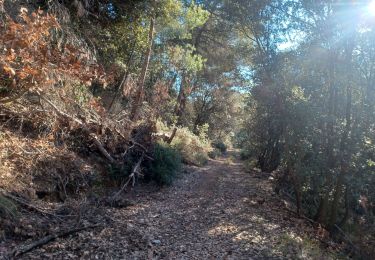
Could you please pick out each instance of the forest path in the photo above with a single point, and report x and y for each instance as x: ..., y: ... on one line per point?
x: 219, y: 211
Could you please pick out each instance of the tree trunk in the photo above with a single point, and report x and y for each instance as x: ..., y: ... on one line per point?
x: 322, y: 213
x: 347, y: 208
x: 297, y: 189
x: 124, y: 79
x: 270, y: 158
x: 142, y: 78
x: 180, y: 107
x: 344, y: 153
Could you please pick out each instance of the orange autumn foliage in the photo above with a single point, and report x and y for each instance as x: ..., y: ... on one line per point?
x: 30, y: 61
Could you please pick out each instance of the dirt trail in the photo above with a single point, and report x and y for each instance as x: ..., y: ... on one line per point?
x: 216, y: 212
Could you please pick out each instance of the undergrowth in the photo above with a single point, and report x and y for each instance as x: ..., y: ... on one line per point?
x: 193, y: 148
x: 166, y: 164
x: 220, y: 145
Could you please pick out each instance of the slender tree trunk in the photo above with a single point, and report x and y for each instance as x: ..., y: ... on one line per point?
x: 124, y: 79
x: 347, y: 208
x: 297, y: 189
x: 344, y: 153
x: 172, y: 81
x: 180, y: 107
x: 142, y: 78
x: 322, y: 213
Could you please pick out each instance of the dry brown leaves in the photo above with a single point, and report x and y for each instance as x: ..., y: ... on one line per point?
x: 29, y: 60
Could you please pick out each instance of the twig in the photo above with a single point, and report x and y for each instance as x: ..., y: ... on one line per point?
x: 45, y: 240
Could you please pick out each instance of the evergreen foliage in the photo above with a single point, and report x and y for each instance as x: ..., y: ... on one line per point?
x: 166, y: 164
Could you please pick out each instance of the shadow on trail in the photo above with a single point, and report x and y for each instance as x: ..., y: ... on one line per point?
x: 219, y: 211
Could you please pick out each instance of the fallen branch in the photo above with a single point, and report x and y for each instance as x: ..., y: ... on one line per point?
x: 45, y: 240
x: 25, y: 203
x: 132, y: 176
x: 134, y: 143
x: 96, y: 141
x: 101, y: 148
x: 61, y: 113
x: 145, y: 150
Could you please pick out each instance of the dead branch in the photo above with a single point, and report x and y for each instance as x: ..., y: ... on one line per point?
x: 96, y: 141
x: 347, y: 238
x: 101, y: 148
x: 139, y: 145
x: 134, y: 143
x: 11, y: 99
x: 136, y: 171
x: 25, y: 203
x: 61, y: 113
x: 45, y: 240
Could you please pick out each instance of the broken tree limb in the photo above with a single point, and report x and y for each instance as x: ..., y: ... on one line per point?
x: 347, y: 239
x: 132, y: 176
x: 61, y: 113
x: 101, y: 148
x: 25, y: 203
x: 45, y: 240
x: 95, y: 139
x: 134, y: 143
x: 145, y: 150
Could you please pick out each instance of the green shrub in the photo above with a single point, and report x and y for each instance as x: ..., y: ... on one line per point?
x: 250, y: 164
x: 220, y: 145
x: 193, y: 148
x: 119, y: 173
x: 214, y: 153
x: 166, y: 164
x: 245, y: 154
x: 200, y: 159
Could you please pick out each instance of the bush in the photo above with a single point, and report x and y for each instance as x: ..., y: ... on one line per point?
x: 166, y: 164
x: 220, y: 145
x: 250, y: 164
x: 193, y: 149
x: 245, y: 154
x: 214, y: 153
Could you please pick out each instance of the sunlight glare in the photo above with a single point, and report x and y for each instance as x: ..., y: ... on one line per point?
x: 371, y: 8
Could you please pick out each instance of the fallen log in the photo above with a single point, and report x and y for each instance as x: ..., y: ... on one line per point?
x: 45, y: 240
